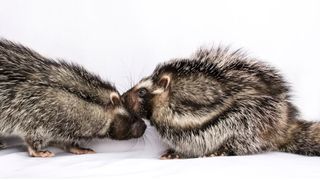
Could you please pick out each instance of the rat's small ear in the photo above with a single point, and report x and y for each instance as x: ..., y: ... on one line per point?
x: 114, y: 98
x: 164, y: 81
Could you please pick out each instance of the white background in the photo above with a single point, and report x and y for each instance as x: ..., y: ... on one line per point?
x: 124, y: 40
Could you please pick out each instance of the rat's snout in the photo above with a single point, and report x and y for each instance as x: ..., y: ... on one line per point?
x: 131, y: 101
x: 138, y: 128
x: 126, y: 98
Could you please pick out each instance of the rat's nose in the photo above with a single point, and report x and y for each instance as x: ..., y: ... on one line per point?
x: 138, y: 129
x: 124, y: 97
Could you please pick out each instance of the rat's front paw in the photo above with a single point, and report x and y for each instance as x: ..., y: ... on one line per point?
x: 42, y: 154
x: 170, y: 154
x: 216, y: 154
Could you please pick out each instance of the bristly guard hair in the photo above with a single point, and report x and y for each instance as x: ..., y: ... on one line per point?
x: 48, y: 102
x: 222, y: 102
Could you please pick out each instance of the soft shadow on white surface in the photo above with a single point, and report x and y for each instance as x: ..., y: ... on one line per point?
x: 110, y: 155
x: 123, y: 40
x: 144, y: 164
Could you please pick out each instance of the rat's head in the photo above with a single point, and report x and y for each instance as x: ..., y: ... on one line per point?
x: 124, y: 125
x: 149, y: 94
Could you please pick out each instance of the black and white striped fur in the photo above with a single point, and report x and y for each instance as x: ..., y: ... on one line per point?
x: 48, y: 102
x: 222, y: 102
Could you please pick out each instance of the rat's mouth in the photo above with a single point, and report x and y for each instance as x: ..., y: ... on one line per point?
x: 138, y: 129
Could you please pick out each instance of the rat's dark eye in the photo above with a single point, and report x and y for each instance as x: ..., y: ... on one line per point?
x: 142, y: 92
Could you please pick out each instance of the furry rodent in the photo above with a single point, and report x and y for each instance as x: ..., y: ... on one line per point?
x: 222, y: 102
x: 48, y: 102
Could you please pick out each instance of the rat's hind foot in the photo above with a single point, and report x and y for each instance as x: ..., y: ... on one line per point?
x: 80, y: 150
x: 170, y: 154
x: 72, y: 147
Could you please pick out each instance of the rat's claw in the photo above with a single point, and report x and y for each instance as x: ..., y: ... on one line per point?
x: 170, y: 154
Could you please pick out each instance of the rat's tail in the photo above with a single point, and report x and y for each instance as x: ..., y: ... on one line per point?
x: 303, y: 138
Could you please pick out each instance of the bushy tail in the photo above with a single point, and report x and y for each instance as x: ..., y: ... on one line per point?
x: 303, y: 138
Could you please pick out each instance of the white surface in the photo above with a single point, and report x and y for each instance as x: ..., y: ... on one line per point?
x: 124, y: 40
